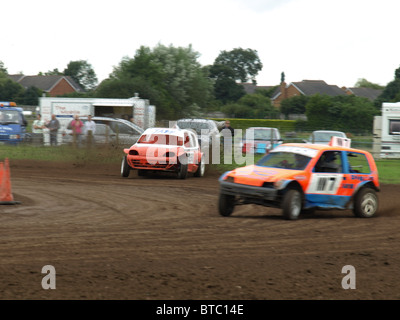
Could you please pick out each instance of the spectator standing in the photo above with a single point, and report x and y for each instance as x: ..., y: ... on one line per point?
x: 227, y: 133
x: 37, y: 130
x: 53, y: 125
x: 90, y: 130
x: 77, y: 126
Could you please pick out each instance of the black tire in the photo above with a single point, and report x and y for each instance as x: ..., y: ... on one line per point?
x: 291, y: 205
x: 201, y: 169
x: 182, y: 171
x: 226, y: 204
x: 365, y: 203
x: 125, y: 168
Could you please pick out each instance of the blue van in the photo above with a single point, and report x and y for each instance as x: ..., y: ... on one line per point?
x: 12, y: 124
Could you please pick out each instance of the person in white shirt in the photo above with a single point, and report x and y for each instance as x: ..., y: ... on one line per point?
x: 37, y: 130
x: 89, y: 131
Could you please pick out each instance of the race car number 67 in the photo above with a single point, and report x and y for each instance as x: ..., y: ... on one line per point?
x: 325, y: 183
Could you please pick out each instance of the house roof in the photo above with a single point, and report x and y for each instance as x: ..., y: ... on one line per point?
x: 369, y: 93
x: 311, y: 87
x: 250, y: 88
x: 15, y: 77
x: 45, y: 83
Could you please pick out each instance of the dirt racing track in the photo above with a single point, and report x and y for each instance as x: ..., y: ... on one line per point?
x: 158, y: 237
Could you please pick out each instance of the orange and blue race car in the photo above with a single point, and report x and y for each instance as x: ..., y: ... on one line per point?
x: 299, y: 178
x: 164, y: 149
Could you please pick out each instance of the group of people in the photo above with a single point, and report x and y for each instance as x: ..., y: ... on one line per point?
x: 78, y: 127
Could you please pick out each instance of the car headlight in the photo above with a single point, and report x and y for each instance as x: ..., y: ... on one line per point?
x: 230, y: 179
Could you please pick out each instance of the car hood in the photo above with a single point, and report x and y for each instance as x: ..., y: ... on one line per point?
x: 256, y: 175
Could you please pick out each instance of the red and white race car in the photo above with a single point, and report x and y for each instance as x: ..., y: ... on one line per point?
x: 165, y: 149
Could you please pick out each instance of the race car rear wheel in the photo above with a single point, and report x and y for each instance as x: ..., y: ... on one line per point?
x: 365, y: 203
x: 125, y: 168
x: 226, y: 204
x: 182, y: 171
x: 291, y: 206
x: 201, y: 169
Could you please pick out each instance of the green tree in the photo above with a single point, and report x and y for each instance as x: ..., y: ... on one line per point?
x: 250, y: 106
x: 170, y: 77
x: 30, y: 96
x: 226, y: 89
x: 294, y: 105
x: 53, y: 72
x: 364, y: 83
x: 10, y: 90
x: 3, y: 69
x: 266, y: 92
x: 391, y: 92
x: 245, y: 63
x: 82, y: 72
x: 237, y: 110
x: 345, y: 113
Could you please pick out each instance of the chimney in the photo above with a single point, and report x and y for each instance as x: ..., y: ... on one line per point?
x: 283, y: 90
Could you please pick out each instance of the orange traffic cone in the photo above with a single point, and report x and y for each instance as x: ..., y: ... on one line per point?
x: 6, y: 196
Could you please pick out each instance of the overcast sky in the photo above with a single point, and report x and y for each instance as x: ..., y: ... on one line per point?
x: 339, y: 41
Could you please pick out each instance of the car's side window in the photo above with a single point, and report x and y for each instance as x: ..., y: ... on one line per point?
x: 330, y: 161
x: 358, y: 163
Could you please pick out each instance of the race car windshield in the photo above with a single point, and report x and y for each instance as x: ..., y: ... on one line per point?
x: 164, y: 139
x: 284, y: 160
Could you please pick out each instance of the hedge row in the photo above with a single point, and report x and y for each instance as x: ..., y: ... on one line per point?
x: 282, y: 125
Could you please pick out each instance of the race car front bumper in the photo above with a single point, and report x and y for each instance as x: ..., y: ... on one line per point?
x: 249, y: 192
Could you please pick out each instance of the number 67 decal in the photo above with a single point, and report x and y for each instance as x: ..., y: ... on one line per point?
x: 323, y: 183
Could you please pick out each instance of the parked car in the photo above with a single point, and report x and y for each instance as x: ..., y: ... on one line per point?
x: 324, y: 136
x: 206, y: 129
x: 260, y: 140
x: 300, y: 178
x: 110, y: 131
x: 165, y: 149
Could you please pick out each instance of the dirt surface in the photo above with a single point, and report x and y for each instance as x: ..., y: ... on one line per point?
x: 157, y: 237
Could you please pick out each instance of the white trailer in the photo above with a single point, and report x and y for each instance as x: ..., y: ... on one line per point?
x: 143, y: 114
x: 389, y: 130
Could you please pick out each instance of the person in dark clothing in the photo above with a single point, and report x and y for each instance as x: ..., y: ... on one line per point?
x: 227, y: 126
x: 227, y: 134
x: 53, y: 125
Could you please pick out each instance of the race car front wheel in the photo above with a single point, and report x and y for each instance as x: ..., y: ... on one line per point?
x: 365, y: 203
x: 291, y: 205
x: 125, y: 168
x: 182, y: 171
x: 201, y: 169
x: 226, y: 204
